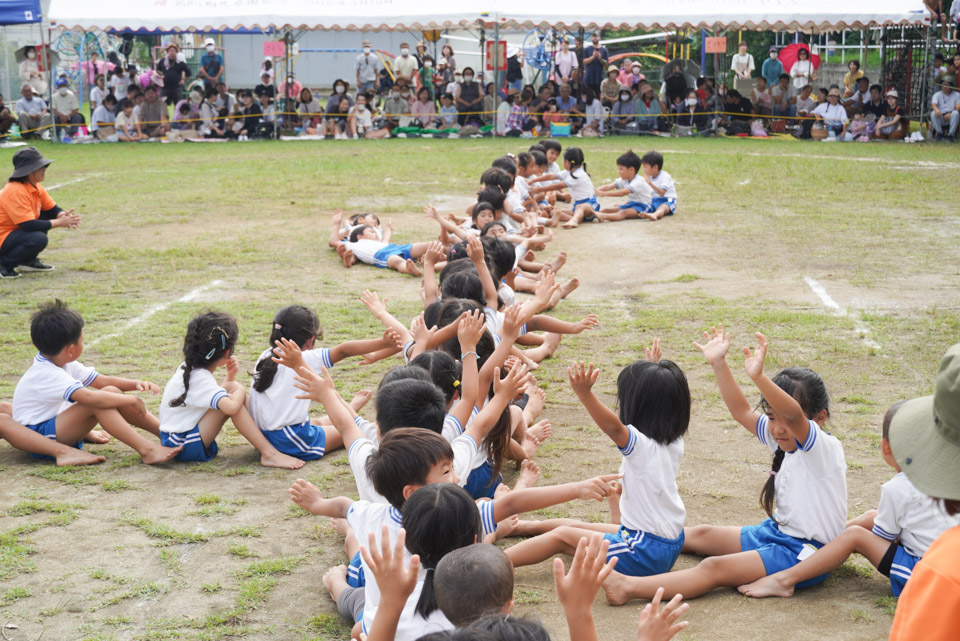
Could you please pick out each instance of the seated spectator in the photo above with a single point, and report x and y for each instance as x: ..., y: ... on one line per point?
x: 98, y: 92
x: 596, y: 120
x: 832, y: 114
x: 395, y: 109
x: 761, y: 98
x: 153, y: 114
x: 633, y: 75
x: 648, y: 108
x: 341, y: 88
x: 66, y: 109
x: 805, y: 106
x: 311, y: 113
x: 249, y: 125
x: 361, y: 118
x: 946, y: 109
x: 875, y: 107
x: 225, y: 100
x: 336, y: 122
x: 424, y: 110
x: 552, y: 116
x: 6, y: 118
x: 539, y: 105
x: 186, y: 114
x: 783, y: 96
x: 128, y: 123
x: 851, y: 77
x: 102, y: 120
x: 265, y: 87
x: 448, y: 113
x: 268, y: 109
x: 857, y: 129
x: 517, y: 117
x: 891, y: 125
x: 568, y: 105
x: 289, y: 91
x: 610, y: 87
x: 212, y: 124
x: 489, y: 103
x: 468, y: 98
x: 622, y: 112
x: 691, y: 114
x: 860, y: 96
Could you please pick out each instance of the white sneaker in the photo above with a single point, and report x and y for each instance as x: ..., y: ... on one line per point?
x: 356, y: 137
x: 45, y: 135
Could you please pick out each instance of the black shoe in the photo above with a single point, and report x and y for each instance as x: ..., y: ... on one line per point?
x: 36, y: 265
x: 939, y: 137
x: 948, y: 138
x: 8, y: 272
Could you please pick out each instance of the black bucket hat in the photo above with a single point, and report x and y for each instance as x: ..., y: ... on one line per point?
x: 26, y: 161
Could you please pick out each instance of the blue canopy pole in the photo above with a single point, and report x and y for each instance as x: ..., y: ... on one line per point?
x: 703, y: 50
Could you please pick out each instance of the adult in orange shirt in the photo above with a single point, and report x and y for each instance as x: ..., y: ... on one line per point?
x: 925, y: 440
x: 27, y: 213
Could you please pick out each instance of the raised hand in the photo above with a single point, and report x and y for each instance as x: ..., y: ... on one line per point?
x: 475, y: 249
x: 511, y: 322
x: 754, y: 363
x: 577, y: 589
x: 430, y: 212
x: 392, y: 338
x: 396, y: 580
x: 376, y: 306
x: 716, y: 343
x: 470, y: 330
x: 599, y: 487
x: 337, y: 218
x: 582, y: 378
x: 589, y: 322
x: 421, y: 333
x: 661, y: 625
x: 288, y: 354
x: 434, y: 253
x: 513, y: 383
x: 653, y: 354
x: 312, y: 384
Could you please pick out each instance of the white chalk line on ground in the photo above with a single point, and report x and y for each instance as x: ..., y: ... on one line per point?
x: 156, y: 309
x: 69, y: 182
x: 828, y: 301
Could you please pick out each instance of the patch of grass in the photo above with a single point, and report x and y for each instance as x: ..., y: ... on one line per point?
x: 170, y: 560
x: 14, y: 594
x: 861, y: 616
x: 33, y: 506
x: 887, y: 603
x: 211, y: 588
x: 246, y: 531
x: 210, y: 511
x: 116, y: 485
x: 270, y: 567
x: 80, y: 475
x: 207, y: 499
x: 686, y: 278
x: 128, y: 460
x: 166, y: 534
x: 239, y: 550
x: 328, y: 626
x: 527, y: 596
x: 296, y: 512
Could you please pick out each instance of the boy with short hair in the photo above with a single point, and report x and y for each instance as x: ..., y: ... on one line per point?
x: 664, y: 201
x: 630, y: 184
x: 54, y: 397
x: 553, y: 149
x: 474, y: 581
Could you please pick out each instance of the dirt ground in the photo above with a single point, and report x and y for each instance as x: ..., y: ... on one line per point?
x: 130, y: 552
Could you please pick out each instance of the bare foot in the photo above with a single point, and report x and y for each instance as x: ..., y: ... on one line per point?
x: 529, y: 475
x: 507, y: 526
x: 529, y: 362
x: 346, y: 255
x: 613, y: 501
x: 281, y: 460
x: 78, y: 457
x: 558, y: 262
x: 616, y: 589
x: 306, y: 495
x: 767, y: 586
x: 159, y: 454
x: 410, y: 267
x: 335, y: 580
x: 541, y: 431
x: 550, y: 343
x: 97, y: 436
x: 340, y: 526
x: 570, y: 224
x: 529, y: 256
x: 360, y: 399
x: 567, y: 288
x: 537, y: 398
x: 529, y: 446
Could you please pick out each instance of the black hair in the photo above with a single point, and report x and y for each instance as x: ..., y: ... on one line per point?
x: 507, y: 627
x: 574, y: 156
x: 126, y: 103
x: 701, y: 81
x: 448, y: 95
x: 807, y: 388
x: 863, y: 79
x: 460, y: 634
x: 501, y: 254
x: 470, y: 69
x: 784, y: 75
x: 151, y: 87
x: 652, y: 158
x: 210, y: 336
x: 551, y: 144
x: 439, y: 519
x: 629, y: 160
x: 295, y: 323
x: 497, y: 177
x: 480, y: 208
x: 877, y: 88
x: 507, y: 164
x: 445, y: 371
x: 655, y: 399
x: 492, y: 195
x: 524, y: 158
x: 54, y: 326
x: 490, y: 225
x: 211, y: 92
x: 887, y: 418
x: 538, y: 147
x: 539, y: 158
x: 855, y: 63
x: 402, y: 373
x: 451, y: 310
x: 463, y: 284
x: 473, y: 581
x: 410, y: 403
x: 355, y: 234
x: 404, y: 457
x: 733, y: 93
x: 110, y: 98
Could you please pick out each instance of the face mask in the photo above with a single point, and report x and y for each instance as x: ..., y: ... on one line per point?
x: 624, y: 98
x: 366, y: 50
x: 210, y: 48
x: 32, y: 55
x: 340, y: 89
x: 773, y: 56
x: 404, y: 52
x: 428, y: 64
x: 691, y: 102
x: 62, y: 91
x: 405, y: 94
x: 458, y: 78
x: 468, y: 78
x: 394, y: 94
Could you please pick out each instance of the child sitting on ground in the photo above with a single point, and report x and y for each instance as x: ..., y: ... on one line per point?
x: 576, y: 178
x: 631, y: 184
x: 664, y: 201
x: 892, y: 538
x: 54, y: 397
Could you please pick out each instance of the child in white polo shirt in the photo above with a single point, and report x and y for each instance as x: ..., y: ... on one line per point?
x: 664, y: 202
x: 60, y: 398
x: 632, y: 184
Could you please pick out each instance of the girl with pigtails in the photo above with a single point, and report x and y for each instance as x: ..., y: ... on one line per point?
x: 195, y: 407
x: 804, y: 496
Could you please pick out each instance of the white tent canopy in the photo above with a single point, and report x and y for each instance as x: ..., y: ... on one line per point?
x: 387, y: 15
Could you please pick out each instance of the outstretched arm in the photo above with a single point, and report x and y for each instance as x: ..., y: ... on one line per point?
x: 715, y: 351
x: 336, y: 220
x: 537, y: 498
x: 320, y: 388
x: 390, y: 339
x: 378, y: 308
x: 504, y: 391
x: 582, y: 379
x: 785, y: 406
x: 475, y: 254
x: 308, y: 496
x: 446, y: 225
x: 469, y: 331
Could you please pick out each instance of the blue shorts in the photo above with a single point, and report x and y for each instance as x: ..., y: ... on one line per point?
x: 642, y: 553
x: 480, y: 483
x: 900, y: 567
x: 639, y: 207
x: 305, y: 441
x: 193, y: 447
x: 656, y: 202
x: 380, y: 258
x: 778, y: 551
x: 594, y: 204
x: 49, y: 429
x: 355, y: 577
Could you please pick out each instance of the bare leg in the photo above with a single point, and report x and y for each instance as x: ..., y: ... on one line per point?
x: 537, y: 399
x: 562, y: 540
x: 617, y: 214
x: 713, y: 572
x: 828, y: 558
x: 333, y: 439
x: 865, y: 520
x: 335, y: 580
x: 74, y: 422
x: 530, y: 340
x: 550, y: 343
x: 403, y: 266
x: 661, y: 211
x: 711, y: 540
x: 576, y: 219
x: 529, y: 475
x: 269, y: 455
x: 26, y: 440
x: 558, y: 262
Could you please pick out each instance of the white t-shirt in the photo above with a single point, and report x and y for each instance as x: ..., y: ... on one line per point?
x: 405, y: 66
x: 907, y: 514
x: 64, y: 105
x: 802, y: 73
x: 581, y: 187
x: 665, y: 181
x: 566, y: 62
x: 45, y: 389
x: 101, y: 114
x: 651, y: 501
x: 205, y: 393
x: 833, y: 115
x: 119, y: 84
x: 811, y: 486
x: 278, y: 407
x: 365, y: 249
x: 97, y: 95
x: 640, y: 191
x: 742, y: 62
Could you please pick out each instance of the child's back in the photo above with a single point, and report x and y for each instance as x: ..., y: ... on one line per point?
x: 45, y: 389
x: 277, y: 406
x: 907, y: 514
x: 203, y: 394
x: 651, y: 501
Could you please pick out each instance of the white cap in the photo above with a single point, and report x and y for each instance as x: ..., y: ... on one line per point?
x: 209, y: 41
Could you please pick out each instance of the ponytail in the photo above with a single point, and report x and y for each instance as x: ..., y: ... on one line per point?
x: 496, y: 445
x: 295, y: 323
x: 769, y: 491
x: 210, y: 336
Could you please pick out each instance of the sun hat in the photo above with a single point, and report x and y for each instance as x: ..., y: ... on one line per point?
x: 173, y: 45
x: 635, y: 63
x: 26, y: 161
x: 366, y: 43
x: 834, y: 92
x: 612, y: 69
x: 949, y: 81
x: 925, y: 434
x: 209, y: 41
x: 892, y: 94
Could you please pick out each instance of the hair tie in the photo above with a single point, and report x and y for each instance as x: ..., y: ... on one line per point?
x: 773, y: 473
x: 456, y: 383
x: 277, y: 326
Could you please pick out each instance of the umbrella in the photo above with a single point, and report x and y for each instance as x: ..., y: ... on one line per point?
x: 791, y: 53
x: 21, y: 54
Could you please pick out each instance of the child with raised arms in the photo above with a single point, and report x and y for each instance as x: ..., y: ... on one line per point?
x: 807, y: 483
x: 63, y: 400
x: 284, y: 419
x: 582, y: 193
x: 195, y: 407
x: 664, y: 202
x: 632, y: 184
x: 892, y: 537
